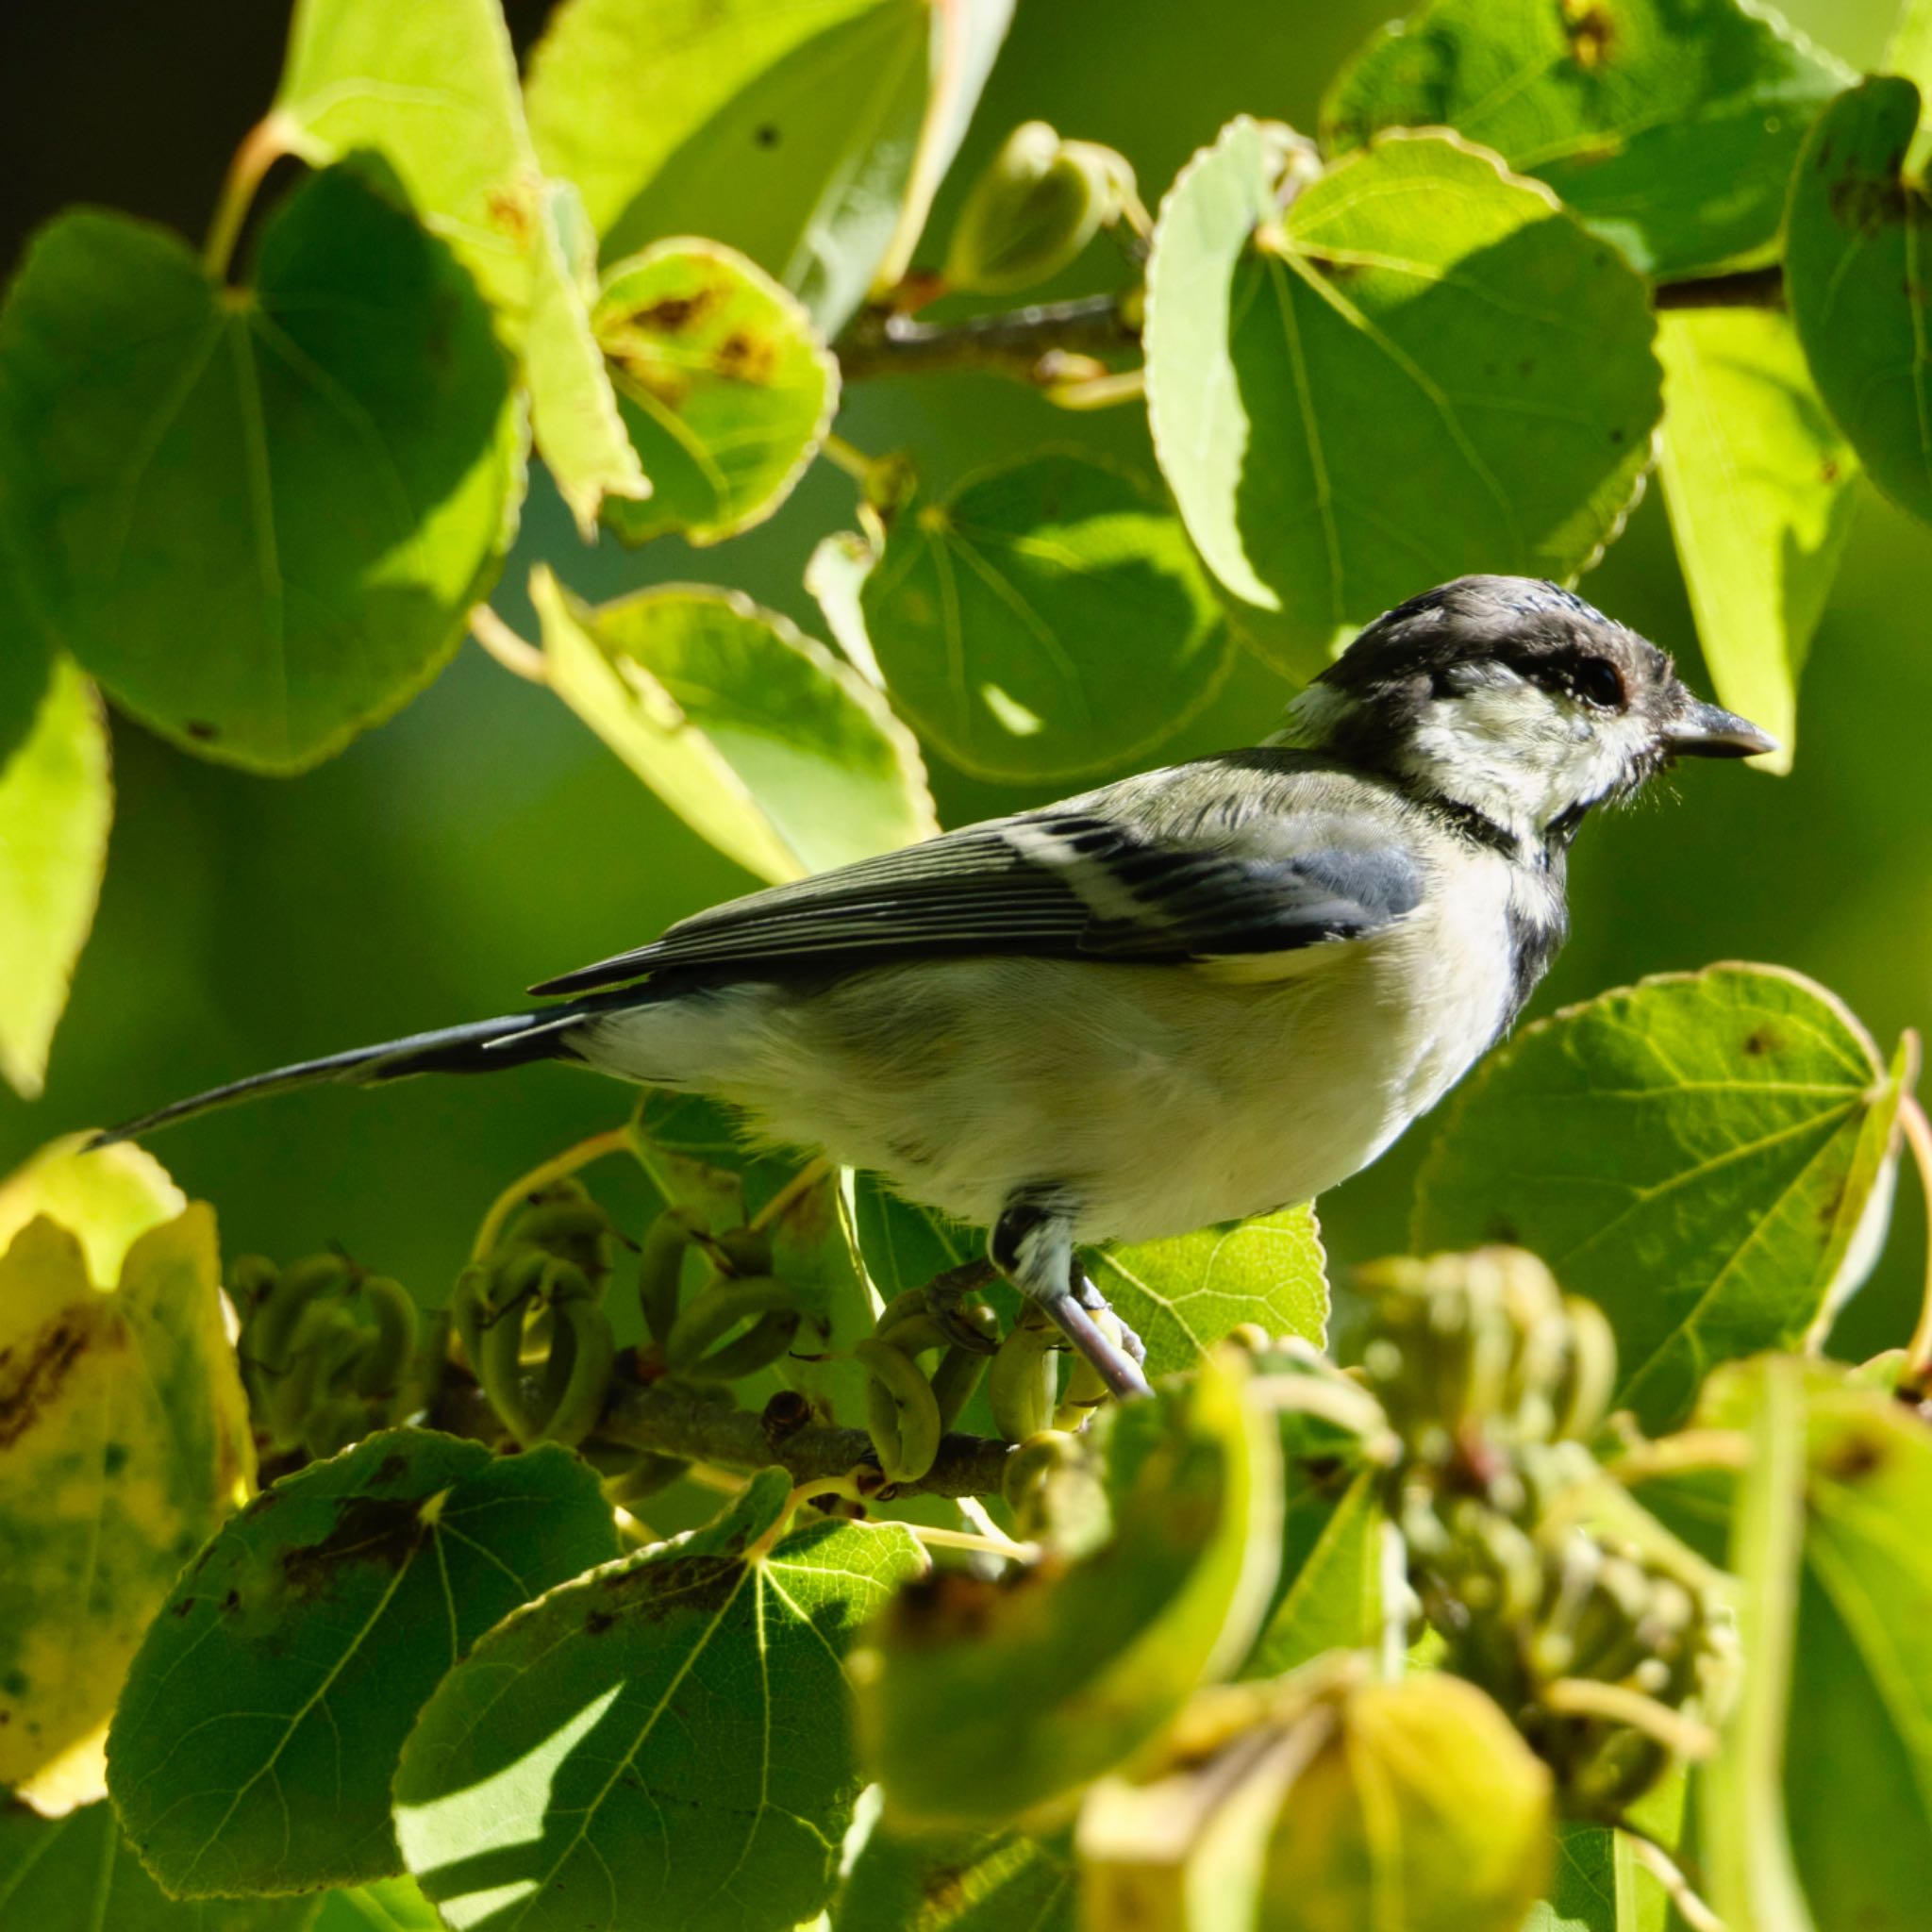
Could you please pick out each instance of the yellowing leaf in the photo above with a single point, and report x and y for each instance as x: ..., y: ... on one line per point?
x: 126, y: 1441
x: 56, y: 802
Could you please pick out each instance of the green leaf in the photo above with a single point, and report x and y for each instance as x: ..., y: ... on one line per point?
x: 1841, y: 1474
x: 981, y: 1700
x: 262, y: 1721
x: 698, y: 1156
x: 1857, y: 237
x: 1695, y: 1154
x: 1670, y: 129
x: 573, y: 413
x: 1596, y: 1885
x: 673, y: 1728
x: 1002, y: 1881
x: 259, y: 517
x: 391, y: 1905
x: 1047, y: 617
x: 57, y: 801
x: 1909, y: 52
x: 834, y: 573
x: 726, y: 390
x: 761, y: 740
x: 1423, y: 367
x: 78, y: 1873
x: 27, y: 644
x: 1758, y: 484
x: 1183, y: 1295
x: 128, y: 1441
x: 1329, y: 1593
x: 804, y: 137
x: 432, y: 88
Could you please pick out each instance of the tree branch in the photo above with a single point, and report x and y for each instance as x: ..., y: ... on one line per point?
x: 1746, y: 288
x: 698, y: 1425
x: 1015, y: 342
x: 1010, y: 343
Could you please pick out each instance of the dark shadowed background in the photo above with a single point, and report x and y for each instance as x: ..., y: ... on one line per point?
x: 483, y: 839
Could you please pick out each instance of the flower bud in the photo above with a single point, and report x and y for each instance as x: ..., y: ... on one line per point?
x: 1037, y: 206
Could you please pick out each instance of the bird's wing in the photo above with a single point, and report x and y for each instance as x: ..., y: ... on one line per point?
x: 1072, y: 880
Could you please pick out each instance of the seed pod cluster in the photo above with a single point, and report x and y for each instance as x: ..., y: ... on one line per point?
x: 531, y: 1321
x: 1598, y: 1643
x: 910, y: 1407
x: 329, y: 1351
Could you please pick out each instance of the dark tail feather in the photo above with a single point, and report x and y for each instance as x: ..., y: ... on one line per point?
x: 484, y: 1046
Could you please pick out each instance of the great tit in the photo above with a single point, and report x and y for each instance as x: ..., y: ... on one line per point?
x: 1185, y: 997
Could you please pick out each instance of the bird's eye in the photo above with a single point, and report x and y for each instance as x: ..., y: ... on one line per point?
x: 1597, y: 683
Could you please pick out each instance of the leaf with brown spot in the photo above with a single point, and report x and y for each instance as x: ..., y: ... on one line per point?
x: 679, y: 1718
x: 724, y: 389
x: 254, y: 1748
x: 124, y: 1440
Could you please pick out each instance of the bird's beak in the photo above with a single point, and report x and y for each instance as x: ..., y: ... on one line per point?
x: 1698, y: 731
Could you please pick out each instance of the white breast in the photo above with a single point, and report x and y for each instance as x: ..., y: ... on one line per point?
x: 1162, y: 1097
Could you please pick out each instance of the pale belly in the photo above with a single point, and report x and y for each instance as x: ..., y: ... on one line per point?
x: 1158, y: 1098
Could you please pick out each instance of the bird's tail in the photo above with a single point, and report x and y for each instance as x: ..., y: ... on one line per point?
x: 483, y: 1046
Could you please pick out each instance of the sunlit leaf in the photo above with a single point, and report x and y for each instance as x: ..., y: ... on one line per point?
x: 761, y: 740
x: 1909, y: 52
x: 1858, y: 235
x: 574, y: 413
x: 391, y: 1905
x: 834, y: 573
x: 1758, y: 484
x: 56, y: 802
x: 1002, y: 1881
x: 254, y: 1748
x: 432, y: 88
x: 78, y: 1873
x: 108, y: 1199
x: 1829, y: 1536
x: 1040, y: 1685
x: 1695, y: 1154
x: 127, y: 1438
x: 1671, y: 129
x: 1045, y: 619
x: 1183, y: 1295
x: 810, y: 138
x: 725, y: 391
x: 1423, y: 367
x: 674, y: 1727
x: 259, y: 517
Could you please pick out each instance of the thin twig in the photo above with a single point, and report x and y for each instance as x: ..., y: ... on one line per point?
x: 1744, y: 288
x: 559, y: 1167
x: 515, y: 654
x: 1009, y: 343
x: 263, y: 146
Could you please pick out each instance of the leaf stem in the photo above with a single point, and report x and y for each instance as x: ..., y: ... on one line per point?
x: 559, y: 1167
x: 1677, y: 1887
x: 935, y: 1538
x: 1683, y: 1454
x: 801, y: 1184
x: 515, y: 654
x: 271, y: 138
x: 1584, y: 1697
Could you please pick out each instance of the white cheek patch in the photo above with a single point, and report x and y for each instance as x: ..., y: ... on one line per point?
x: 1520, y: 754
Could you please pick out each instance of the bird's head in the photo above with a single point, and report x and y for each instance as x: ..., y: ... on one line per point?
x: 1515, y: 699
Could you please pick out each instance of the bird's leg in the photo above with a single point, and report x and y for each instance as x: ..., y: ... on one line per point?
x: 945, y: 1292
x: 1032, y: 1246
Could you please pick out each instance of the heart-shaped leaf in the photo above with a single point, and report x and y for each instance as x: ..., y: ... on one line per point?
x: 254, y: 1748
x: 948, y: 1882
x: 726, y: 390
x: 1045, y: 619
x: 1696, y: 1154
x: 259, y: 516
x: 1670, y: 129
x: 679, y: 1718
x: 1423, y: 366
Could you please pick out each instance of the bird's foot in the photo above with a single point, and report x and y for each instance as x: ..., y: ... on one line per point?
x: 946, y: 1296
x: 1032, y: 1246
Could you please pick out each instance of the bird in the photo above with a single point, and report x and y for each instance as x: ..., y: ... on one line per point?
x: 1190, y: 997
